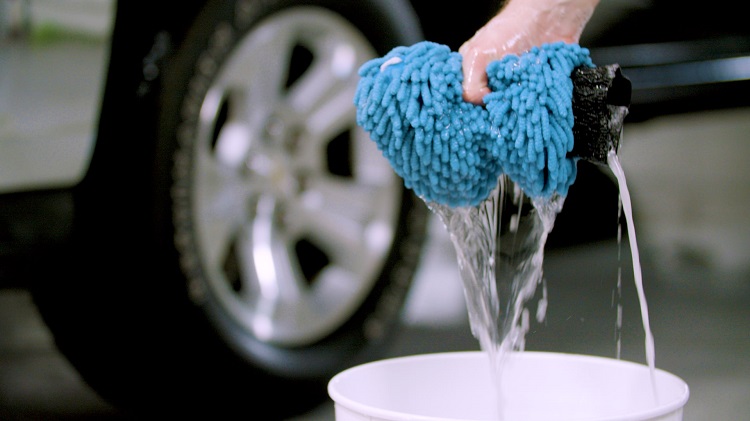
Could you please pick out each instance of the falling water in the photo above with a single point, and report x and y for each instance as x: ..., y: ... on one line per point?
x: 500, y: 249
x: 614, y: 164
x: 617, y: 294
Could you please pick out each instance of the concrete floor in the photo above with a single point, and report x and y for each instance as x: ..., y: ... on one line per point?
x: 691, y: 187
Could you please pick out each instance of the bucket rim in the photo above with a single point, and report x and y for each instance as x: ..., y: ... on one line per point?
x: 340, y: 398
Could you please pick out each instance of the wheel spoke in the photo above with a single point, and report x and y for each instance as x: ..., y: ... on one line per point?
x: 341, y: 217
x: 340, y: 238
x: 264, y: 260
x: 331, y: 117
x: 260, y: 64
x: 222, y: 196
x: 335, y: 66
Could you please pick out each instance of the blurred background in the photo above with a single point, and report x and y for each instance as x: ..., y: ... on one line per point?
x: 687, y: 173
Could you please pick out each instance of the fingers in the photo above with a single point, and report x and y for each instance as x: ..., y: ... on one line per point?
x: 519, y: 26
x: 475, y: 76
x: 497, y: 38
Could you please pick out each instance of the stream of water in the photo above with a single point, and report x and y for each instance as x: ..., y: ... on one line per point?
x: 616, y: 167
x: 500, y: 250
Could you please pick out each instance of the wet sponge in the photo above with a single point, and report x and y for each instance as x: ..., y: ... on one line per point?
x: 452, y: 152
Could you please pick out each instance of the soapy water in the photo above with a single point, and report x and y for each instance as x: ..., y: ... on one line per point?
x: 499, y: 246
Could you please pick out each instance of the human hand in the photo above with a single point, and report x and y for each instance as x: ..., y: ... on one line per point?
x: 519, y: 26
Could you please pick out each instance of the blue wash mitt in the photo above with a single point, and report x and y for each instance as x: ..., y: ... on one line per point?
x: 452, y: 152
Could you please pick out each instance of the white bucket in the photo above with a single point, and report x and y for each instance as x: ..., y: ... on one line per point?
x: 534, y: 386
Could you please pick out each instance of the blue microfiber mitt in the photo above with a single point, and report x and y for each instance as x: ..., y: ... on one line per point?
x: 452, y: 152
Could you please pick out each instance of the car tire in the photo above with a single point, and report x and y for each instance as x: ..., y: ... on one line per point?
x: 259, y: 244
